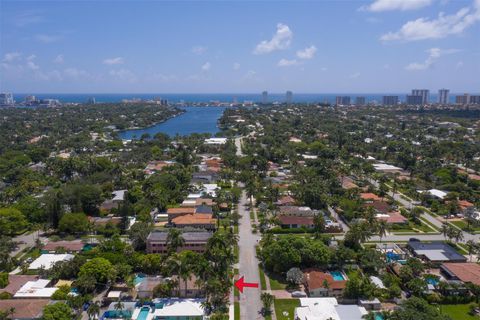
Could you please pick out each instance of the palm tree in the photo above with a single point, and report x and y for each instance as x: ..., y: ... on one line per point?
x: 174, y: 240
x: 471, y: 248
x: 267, y: 301
x: 119, y: 307
x: 444, y: 230
x: 382, y: 229
x: 93, y: 310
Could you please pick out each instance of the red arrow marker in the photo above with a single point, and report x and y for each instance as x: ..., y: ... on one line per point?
x: 240, y: 284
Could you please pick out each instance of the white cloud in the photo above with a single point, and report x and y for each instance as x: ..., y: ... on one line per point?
x: 441, y: 27
x: 354, y: 75
x: 123, y: 75
x: 433, y: 55
x: 287, y: 63
x: 113, y: 61
x: 59, y: 59
x: 11, y: 56
x: 459, y: 65
x: 236, y: 66
x: 281, y: 40
x: 206, y: 66
x: 402, y: 5
x: 307, y: 53
x: 199, y: 50
x: 30, y: 62
x: 46, y: 38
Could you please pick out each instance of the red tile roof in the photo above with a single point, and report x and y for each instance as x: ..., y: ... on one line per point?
x: 194, y: 219
x: 394, y: 217
x: 370, y: 196
x: 466, y: 272
x: 16, y: 281
x: 25, y: 308
x: 76, y: 245
x: 315, y: 279
x: 304, y: 221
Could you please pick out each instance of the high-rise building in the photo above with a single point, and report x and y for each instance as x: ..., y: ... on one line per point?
x: 6, y: 99
x: 264, y: 97
x: 414, y: 100
x: 443, y: 96
x: 390, y: 100
x: 464, y: 99
x: 91, y: 100
x: 424, y: 93
x: 360, y: 101
x: 342, y: 100
x: 474, y: 100
x: 289, y: 97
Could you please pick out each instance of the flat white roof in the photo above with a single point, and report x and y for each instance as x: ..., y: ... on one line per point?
x: 385, y: 167
x: 174, y: 307
x: 114, y: 294
x: 119, y: 195
x: 46, y: 261
x: 327, y: 308
x: 216, y: 140
x: 35, y: 289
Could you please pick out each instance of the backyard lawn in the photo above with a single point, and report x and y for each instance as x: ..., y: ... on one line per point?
x: 457, y: 311
x: 277, y: 282
x: 285, y: 308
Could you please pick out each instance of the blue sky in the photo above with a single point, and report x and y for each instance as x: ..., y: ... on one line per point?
x: 232, y: 47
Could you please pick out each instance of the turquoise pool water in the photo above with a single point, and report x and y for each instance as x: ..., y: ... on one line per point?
x: 143, y: 313
x: 138, y: 278
x: 432, y: 281
x: 378, y: 316
x: 337, y: 276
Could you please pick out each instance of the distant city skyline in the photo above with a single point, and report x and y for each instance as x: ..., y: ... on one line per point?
x: 343, y: 47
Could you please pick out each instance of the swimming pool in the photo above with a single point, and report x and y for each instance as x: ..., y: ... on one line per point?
x: 378, y: 316
x: 432, y: 281
x: 138, y: 278
x: 143, y: 313
x: 337, y: 276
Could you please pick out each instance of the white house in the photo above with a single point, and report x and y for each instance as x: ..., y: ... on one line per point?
x: 46, y: 261
x: 327, y: 308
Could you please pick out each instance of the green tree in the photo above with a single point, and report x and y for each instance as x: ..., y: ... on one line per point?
x: 174, y: 240
x: 74, y: 223
x: 99, y: 268
x: 138, y: 234
x: 93, y: 311
x: 58, y: 311
x: 12, y: 221
x: 267, y: 301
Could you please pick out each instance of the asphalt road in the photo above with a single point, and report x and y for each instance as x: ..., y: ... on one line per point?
x: 250, y: 303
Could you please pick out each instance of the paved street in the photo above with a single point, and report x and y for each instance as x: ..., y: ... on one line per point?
x: 26, y: 241
x: 238, y: 144
x: 250, y: 304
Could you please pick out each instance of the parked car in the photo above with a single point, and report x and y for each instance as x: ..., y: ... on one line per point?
x: 298, y: 294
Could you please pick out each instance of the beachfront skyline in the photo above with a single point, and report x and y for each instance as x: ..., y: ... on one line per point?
x: 309, y: 47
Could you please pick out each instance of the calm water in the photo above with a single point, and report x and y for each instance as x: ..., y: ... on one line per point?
x: 224, y: 97
x: 194, y: 120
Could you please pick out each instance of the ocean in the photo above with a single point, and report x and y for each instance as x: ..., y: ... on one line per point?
x: 223, y: 97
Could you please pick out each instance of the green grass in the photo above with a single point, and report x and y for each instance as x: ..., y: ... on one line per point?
x: 263, y: 282
x: 286, y: 305
x: 464, y: 226
x: 457, y: 311
x: 236, y: 310
x: 277, y: 282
